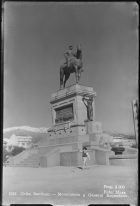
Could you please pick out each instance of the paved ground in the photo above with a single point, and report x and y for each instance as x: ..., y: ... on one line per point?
x: 69, y: 185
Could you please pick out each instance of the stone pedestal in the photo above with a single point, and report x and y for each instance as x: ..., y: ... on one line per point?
x: 70, y: 129
x: 67, y: 105
x: 69, y: 114
x: 93, y: 127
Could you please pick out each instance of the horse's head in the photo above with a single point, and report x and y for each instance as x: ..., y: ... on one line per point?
x: 79, y: 47
x: 79, y: 52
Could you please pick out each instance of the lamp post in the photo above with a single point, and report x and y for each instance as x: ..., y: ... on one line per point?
x: 135, y: 109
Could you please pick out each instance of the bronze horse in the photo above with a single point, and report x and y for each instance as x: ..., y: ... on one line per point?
x: 75, y: 67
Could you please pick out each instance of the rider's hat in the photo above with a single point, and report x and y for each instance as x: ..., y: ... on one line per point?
x: 70, y: 47
x: 84, y: 148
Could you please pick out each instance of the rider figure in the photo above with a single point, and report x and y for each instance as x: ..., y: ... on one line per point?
x: 69, y: 55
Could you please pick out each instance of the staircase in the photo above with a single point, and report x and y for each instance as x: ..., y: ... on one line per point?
x: 30, y: 157
x: 27, y: 158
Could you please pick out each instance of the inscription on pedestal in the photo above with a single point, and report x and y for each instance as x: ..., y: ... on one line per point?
x: 64, y: 114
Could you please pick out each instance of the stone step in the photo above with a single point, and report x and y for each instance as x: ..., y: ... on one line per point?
x: 27, y: 166
x: 34, y: 163
x: 29, y: 161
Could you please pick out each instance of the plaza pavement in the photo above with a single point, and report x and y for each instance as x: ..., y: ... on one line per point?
x: 69, y: 185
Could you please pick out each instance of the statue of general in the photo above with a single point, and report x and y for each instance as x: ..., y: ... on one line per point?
x: 73, y: 64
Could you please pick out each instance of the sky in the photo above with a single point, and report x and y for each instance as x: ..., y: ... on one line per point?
x: 36, y: 36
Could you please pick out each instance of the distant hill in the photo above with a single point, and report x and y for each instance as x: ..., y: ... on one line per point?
x: 36, y: 133
x: 117, y: 134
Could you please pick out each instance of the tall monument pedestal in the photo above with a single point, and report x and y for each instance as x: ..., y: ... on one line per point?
x: 69, y: 114
x: 70, y: 130
x: 67, y: 104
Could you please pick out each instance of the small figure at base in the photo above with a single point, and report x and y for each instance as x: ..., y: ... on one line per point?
x: 85, y: 156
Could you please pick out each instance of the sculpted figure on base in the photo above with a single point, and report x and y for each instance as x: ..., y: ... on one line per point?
x: 88, y: 104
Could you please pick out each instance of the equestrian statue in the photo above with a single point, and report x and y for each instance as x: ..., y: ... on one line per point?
x: 73, y: 64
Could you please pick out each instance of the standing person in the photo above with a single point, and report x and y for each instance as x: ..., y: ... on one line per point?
x: 85, y: 155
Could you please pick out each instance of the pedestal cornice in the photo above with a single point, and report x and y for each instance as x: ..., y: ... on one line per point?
x: 72, y: 91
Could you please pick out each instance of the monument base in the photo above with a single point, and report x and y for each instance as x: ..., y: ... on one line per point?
x: 93, y: 127
x: 70, y: 130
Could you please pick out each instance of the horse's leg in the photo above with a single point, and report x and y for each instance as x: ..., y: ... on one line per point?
x: 66, y: 78
x: 61, y: 77
x: 76, y: 74
x: 79, y: 74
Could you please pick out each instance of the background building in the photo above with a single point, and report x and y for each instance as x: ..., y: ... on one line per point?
x: 20, y: 141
